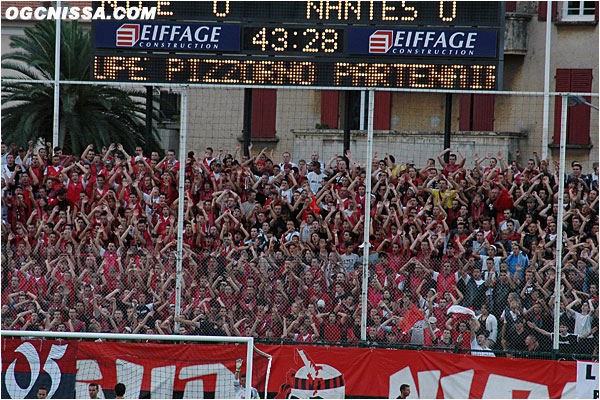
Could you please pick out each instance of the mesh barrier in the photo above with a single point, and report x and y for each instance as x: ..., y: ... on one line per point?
x: 462, y: 253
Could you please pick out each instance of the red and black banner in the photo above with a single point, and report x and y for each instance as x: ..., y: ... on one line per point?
x: 66, y: 368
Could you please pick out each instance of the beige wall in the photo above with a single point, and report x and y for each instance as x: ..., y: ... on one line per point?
x: 573, y: 46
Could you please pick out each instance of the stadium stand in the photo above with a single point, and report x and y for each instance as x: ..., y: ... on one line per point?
x: 462, y: 252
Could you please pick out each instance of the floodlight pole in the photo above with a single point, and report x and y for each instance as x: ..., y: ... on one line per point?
x: 181, y: 194
x: 56, y: 112
x: 559, y: 223
x: 366, y: 242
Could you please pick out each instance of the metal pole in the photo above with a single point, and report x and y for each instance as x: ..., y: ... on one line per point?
x: 546, y: 113
x: 362, y: 109
x: 559, y: 224
x: 448, y: 125
x: 366, y: 242
x: 347, y: 112
x: 56, y: 112
x: 247, y: 120
x: 148, y: 133
x: 182, y: 157
x: 249, y: 349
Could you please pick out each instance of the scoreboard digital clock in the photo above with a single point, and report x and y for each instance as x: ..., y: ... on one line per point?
x: 255, y: 36
x: 292, y: 39
x: 423, y: 13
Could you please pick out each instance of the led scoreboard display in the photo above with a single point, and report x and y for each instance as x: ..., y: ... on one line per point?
x: 421, y: 44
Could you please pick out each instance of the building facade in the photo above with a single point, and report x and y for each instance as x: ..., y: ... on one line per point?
x: 410, y: 125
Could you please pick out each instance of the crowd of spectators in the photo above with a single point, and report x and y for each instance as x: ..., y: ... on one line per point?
x: 274, y: 249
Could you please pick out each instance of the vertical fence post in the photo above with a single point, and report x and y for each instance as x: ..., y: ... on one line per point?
x: 366, y: 243
x: 148, y: 131
x: 56, y: 112
x: 181, y: 194
x: 362, y: 110
x: 448, y: 125
x: 249, y: 368
x: 559, y: 223
x: 546, y: 113
x: 247, y: 129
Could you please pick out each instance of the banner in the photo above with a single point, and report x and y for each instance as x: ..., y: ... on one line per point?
x: 423, y: 42
x: 166, y: 36
x: 30, y: 364
x: 587, y: 380
x: 313, y: 371
x: 167, y: 370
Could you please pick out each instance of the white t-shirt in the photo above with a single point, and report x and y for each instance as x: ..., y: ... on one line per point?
x: 240, y: 391
x: 583, y: 323
x: 349, y: 260
x: 477, y: 350
x: 314, y: 180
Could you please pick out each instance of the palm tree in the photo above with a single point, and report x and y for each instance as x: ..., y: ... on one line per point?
x: 97, y: 115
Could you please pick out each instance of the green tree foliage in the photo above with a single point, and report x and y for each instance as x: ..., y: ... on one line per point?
x: 97, y: 115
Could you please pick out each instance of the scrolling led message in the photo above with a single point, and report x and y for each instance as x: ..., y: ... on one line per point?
x: 295, y: 72
x: 385, y: 44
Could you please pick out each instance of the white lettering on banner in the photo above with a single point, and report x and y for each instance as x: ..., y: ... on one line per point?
x: 224, y: 385
x: 87, y: 371
x: 404, y: 376
x: 569, y: 391
x: 458, y: 386
x: 162, y: 379
x: 131, y: 375
x: 502, y: 387
x: 52, y: 368
x: 428, y: 384
x: 10, y: 380
x: 162, y: 382
x: 33, y: 359
x: 587, y: 380
x: 455, y: 386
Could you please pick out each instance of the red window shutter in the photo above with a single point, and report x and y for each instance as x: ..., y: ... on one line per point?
x: 381, y: 117
x: 511, y: 6
x: 483, y: 112
x: 543, y: 9
x: 596, y: 10
x: 563, y: 84
x: 579, y: 115
x: 330, y: 101
x: 264, y: 108
x: 464, y: 116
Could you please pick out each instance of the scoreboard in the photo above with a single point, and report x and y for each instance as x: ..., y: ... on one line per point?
x: 385, y: 44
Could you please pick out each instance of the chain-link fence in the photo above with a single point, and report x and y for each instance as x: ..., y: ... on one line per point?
x: 462, y: 250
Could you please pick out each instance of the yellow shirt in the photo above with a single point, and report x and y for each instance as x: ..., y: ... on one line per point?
x: 437, y: 196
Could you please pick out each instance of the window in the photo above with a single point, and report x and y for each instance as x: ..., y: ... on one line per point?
x: 578, y: 117
x: 476, y: 112
x: 383, y: 111
x: 330, y: 100
x: 169, y: 105
x: 331, y: 108
x: 264, y: 106
x: 579, y: 11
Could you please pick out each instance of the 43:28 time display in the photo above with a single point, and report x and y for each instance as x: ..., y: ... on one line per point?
x: 293, y: 40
